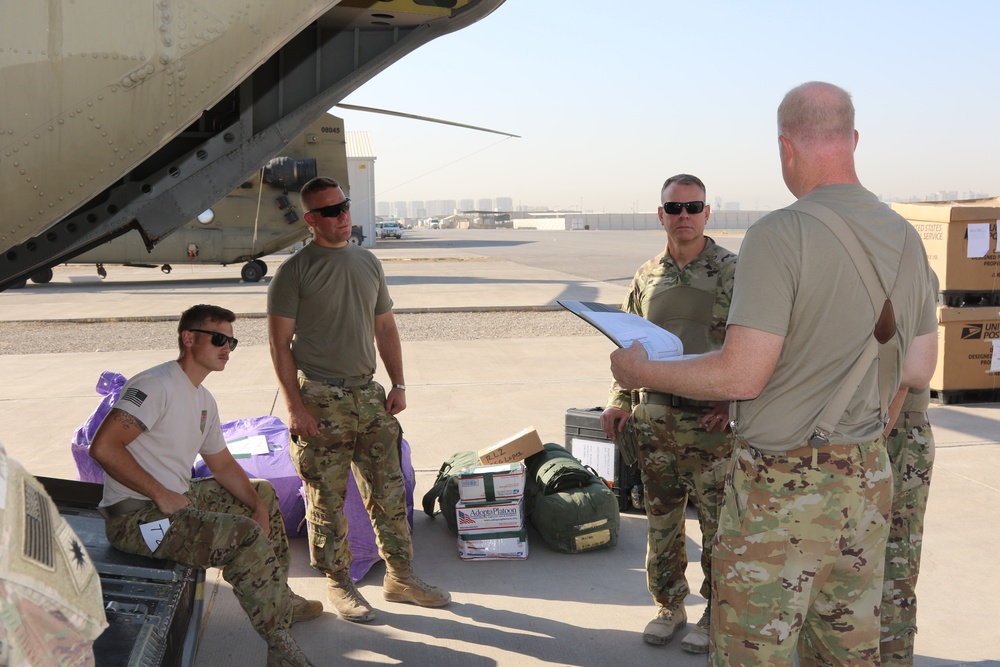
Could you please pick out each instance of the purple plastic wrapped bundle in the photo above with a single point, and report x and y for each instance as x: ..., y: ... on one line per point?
x: 109, y: 384
x: 276, y: 467
x: 360, y: 534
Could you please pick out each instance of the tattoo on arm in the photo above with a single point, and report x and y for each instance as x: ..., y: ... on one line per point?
x: 126, y: 420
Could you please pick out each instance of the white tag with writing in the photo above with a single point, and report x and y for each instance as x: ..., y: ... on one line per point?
x: 153, y: 532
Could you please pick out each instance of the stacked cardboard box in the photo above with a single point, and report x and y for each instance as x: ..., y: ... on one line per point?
x: 490, y: 513
x: 969, y: 275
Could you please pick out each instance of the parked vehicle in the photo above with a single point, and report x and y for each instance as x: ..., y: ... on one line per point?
x: 386, y: 229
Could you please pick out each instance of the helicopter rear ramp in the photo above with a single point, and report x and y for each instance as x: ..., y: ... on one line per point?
x: 122, y: 116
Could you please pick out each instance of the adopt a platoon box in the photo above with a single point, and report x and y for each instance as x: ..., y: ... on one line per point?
x: 506, y: 515
x: 491, y: 483
x: 494, y: 546
x: 944, y: 229
x: 515, y: 448
x: 965, y: 348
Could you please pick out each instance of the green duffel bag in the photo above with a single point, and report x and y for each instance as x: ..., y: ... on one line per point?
x: 445, y: 489
x: 572, y: 508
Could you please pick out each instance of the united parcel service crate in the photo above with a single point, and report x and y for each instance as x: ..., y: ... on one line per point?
x: 944, y: 229
x: 965, y: 352
x: 586, y: 441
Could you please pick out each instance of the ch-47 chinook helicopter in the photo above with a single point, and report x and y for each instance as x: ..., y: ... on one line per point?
x: 141, y: 115
x: 259, y: 218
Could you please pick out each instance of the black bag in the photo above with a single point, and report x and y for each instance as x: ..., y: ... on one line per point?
x: 568, y: 504
x: 445, y: 489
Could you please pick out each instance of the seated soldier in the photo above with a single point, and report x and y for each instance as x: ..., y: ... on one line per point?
x: 147, y: 444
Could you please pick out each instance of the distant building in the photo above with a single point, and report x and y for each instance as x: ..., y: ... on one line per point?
x: 361, y: 179
x: 505, y: 203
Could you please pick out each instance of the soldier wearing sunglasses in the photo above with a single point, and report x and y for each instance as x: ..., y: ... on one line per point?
x: 683, y: 444
x: 329, y: 311
x: 147, y: 444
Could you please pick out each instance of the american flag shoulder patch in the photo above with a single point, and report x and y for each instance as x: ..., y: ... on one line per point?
x: 133, y: 395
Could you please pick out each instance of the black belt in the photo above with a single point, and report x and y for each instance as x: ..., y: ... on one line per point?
x: 123, y: 507
x: 343, y: 383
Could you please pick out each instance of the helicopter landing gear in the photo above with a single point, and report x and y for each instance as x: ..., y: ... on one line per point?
x: 101, y: 271
x: 263, y: 266
x: 166, y: 268
x: 252, y: 272
x: 42, y: 277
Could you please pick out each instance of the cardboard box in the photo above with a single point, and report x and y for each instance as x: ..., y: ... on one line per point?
x: 965, y: 348
x: 494, y: 546
x: 515, y: 448
x: 943, y: 227
x: 491, y: 483
x: 479, y: 518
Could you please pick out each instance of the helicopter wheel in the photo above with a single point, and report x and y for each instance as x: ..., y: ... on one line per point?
x: 42, y: 277
x: 263, y: 266
x: 354, y: 240
x: 166, y: 268
x: 101, y: 271
x: 252, y: 272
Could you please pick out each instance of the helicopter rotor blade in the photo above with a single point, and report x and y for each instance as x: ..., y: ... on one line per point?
x: 387, y: 112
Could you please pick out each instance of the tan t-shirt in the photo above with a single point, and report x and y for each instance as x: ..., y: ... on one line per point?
x: 796, y: 280
x: 181, y: 422
x: 333, y: 294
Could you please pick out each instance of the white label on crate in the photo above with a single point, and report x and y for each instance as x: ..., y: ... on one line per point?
x: 995, y: 361
x: 597, y: 454
x: 979, y: 239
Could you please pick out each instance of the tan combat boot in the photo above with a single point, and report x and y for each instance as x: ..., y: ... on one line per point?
x: 305, y: 610
x: 349, y: 603
x: 666, y: 624
x: 696, y: 641
x: 401, y: 585
x: 284, y: 651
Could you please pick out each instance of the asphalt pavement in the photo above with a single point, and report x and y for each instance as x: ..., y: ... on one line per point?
x: 550, y: 609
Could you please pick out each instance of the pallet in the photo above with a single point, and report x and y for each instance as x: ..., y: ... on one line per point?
x: 956, y: 396
x: 971, y: 298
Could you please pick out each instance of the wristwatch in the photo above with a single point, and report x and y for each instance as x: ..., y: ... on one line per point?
x: 399, y: 386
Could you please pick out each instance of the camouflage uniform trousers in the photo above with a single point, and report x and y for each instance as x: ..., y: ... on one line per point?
x: 799, y: 555
x: 355, y: 431
x: 217, y: 530
x: 911, y: 450
x: 678, y: 458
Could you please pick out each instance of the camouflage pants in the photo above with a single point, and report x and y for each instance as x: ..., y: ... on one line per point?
x: 799, y: 555
x: 217, y: 530
x: 355, y: 431
x: 911, y: 451
x: 678, y: 458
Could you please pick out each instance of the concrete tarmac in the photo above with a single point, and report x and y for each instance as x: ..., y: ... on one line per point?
x: 551, y: 609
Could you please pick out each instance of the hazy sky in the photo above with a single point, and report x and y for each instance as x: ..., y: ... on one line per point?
x: 610, y: 102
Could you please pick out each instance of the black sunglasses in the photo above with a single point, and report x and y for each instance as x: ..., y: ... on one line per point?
x: 674, y: 207
x: 333, y: 210
x: 219, y: 339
